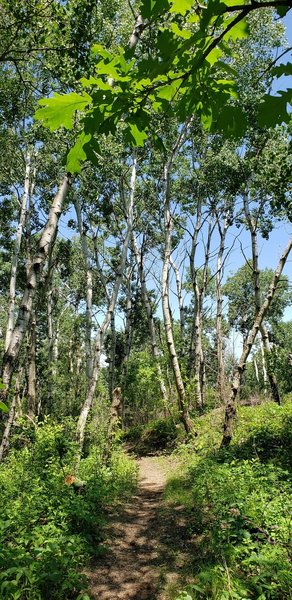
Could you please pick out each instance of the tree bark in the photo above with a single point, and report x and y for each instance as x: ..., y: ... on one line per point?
x: 200, y: 293
x: 17, y: 244
x: 89, y: 289
x: 112, y: 356
x: 221, y: 383
x: 252, y: 224
x: 107, y: 319
x: 168, y: 226
x: 151, y: 323
x: 44, y: 247
x: 231, y: 404
x: 14, y: 410
x: 31, y: 368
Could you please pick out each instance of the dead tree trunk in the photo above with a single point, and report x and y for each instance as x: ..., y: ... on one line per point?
x: 230, y: 411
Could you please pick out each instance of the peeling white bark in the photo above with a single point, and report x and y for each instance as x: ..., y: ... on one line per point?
x: 44, y: 246
x: 17, y: 244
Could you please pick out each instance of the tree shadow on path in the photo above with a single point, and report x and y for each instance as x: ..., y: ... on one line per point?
x: 147, y: 544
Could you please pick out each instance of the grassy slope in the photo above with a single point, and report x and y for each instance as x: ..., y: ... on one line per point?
x: 238, y: 506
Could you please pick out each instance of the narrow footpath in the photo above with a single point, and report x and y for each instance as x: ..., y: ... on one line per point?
x: 147, y: 544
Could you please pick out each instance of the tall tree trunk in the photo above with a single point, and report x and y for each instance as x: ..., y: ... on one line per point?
x: 221, y: 383
x: 44, y: 247
x: 151, y: 323
x: 193, y: 273
x: 200, y: 293
x: 50, y: 345
x: 180, y: 299
x: 112, y: 356
x: 89, y: 289
x: 15, y: 408
x: 230, y: 411
x: 252, y: 224
x: 17, y: 244
x: 128, y: 335
x: 107, y: 319
x: 31, y: 368
x: 168, y: 226
x: 256, y: 369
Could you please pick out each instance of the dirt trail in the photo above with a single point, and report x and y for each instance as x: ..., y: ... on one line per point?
x: 146, y: 544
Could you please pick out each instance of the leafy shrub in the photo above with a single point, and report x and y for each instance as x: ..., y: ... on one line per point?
x: 239, y: 510
x: 157, y: 435
x: 47, y: 528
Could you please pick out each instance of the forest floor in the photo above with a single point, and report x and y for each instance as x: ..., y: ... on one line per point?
x: 147, y: 541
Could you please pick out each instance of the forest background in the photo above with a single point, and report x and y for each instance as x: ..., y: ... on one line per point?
x: 146, y: 222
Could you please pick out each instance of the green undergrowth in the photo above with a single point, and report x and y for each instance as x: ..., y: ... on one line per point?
x: 48, y: 528
x: 158, y: 435
x: 238, y: 507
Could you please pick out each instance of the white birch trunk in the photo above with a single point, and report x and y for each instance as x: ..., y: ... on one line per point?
x: 230, y: 411
x: 168, y: 225
x: 14, y: 411
x: 221, y: 384
x: 89, y: 289
x: 151, y: 323
x: 256, y: 369
x: 44, y: 247
x: 252, y: 224
x: 17, y: 244
x: 107, y: 319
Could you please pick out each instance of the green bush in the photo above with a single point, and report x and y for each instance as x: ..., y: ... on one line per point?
x: 157, y: 435
x: 239, y: 509
x: 48, y: 529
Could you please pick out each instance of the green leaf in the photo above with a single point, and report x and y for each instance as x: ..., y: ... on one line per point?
x: 231, y: 122
x: 101, y: 51
x: 152, y: 8
x: 273, y: 111
x: 77, y: 153
x: 214, y: 55
x: 59, y: 110
x: 239, y: 31
x: 3, y: 407
x: 282, y: 10
x: 180, y: 7
x: 282, y: 70
x: 183, y: 33
x: 138, y: 136
x: 167, y: 92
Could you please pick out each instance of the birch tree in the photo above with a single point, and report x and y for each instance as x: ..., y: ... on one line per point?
x: 168, y: 228
x: 45, y: 245
x: 112, y: 299
x: 230, y: 411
